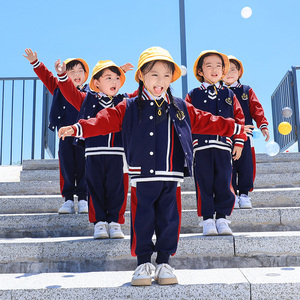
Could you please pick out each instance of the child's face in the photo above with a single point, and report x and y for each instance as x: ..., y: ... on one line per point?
x: 108, y: 83
x: 158, y: 79
x: 212, y: 69
x: 77, y: 75
x: 233, y: 74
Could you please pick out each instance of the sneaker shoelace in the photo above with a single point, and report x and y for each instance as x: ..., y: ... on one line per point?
x: 144, y: 269
x: 162, y: 269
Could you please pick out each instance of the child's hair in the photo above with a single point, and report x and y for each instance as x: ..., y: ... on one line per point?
x: 236, y: 64
x: 200, y: 62
x: 112, y: 68
x: 144, y: 70
x: 70, y: 65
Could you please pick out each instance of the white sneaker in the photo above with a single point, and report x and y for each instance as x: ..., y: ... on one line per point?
x: 222, y: 226
x: 83, y: 207
x: 115, y: 231
x: 164, y: 274
x: 209, y: 227
x: 67, y: 208
x: 245, y: 201
x: 237, y: 202
x: 142, y: 274
x: 100, y: 230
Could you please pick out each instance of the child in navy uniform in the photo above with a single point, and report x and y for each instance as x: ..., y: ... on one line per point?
x: 244, y: 169
x: 212, y: 153
x: 156, y: 129
x: 106, y: 168
x: 71, y: 157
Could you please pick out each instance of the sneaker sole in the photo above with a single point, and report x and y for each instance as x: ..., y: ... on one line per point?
x: 66, y: 213
x: 102, y: 237
x: 83, y: 212
x: 167, y: 281
x: 211, y: 234
x: 245, y: 207
x: 117, y: 237
x: 141, y: 282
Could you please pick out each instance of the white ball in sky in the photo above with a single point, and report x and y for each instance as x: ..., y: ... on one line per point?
x: 183, y: 70
x: 246, y: 12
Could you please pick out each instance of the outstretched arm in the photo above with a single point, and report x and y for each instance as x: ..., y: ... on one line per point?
x: 127, y: 67
x: 30, y: 55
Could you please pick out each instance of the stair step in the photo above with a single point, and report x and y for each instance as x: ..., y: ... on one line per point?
x: 55, y: 225
x: 85, y: 254
x: 19, y: 204
x: 226, y: 284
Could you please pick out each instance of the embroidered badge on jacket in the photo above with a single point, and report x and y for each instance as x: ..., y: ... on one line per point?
x: 228, y: 100
x: 245, y: 96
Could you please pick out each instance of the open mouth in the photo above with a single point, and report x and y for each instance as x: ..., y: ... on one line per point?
x: 158, y: 90
x: 113, y: 89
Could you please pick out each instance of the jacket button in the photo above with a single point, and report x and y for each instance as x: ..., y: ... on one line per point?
x: 151, y: 103
x: 58, y: 117
x: 64, y: 107
x: 151, y: 153
x: 151, y: 171
x: 151, y: 117
x: 151, y: 133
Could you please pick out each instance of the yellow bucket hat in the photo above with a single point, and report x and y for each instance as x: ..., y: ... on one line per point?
x: 231, y: 57
x: 225, y: 59
x: 156, y: 53
x: 83, y: 62
x: 101, y: 65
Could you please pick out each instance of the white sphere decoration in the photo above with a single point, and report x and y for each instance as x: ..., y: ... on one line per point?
x: 183, y: 70
x: 287, y: 112
x: 246, y: 12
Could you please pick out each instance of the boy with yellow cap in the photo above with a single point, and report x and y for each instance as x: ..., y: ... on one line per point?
x: 71, y: 157
x: 106, y: 168
x: 156, y: 130
x: 244, y: 169
x: 212, y: 153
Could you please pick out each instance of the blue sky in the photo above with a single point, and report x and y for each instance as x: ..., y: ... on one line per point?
x: 267, y: 43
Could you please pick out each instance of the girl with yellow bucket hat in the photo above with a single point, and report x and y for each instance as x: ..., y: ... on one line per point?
x: 71, y: 157
x: 156, y: 129
x: 244, y: 169
x: 213, y: 153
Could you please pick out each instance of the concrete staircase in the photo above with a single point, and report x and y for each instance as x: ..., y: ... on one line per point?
x: 44, y: 255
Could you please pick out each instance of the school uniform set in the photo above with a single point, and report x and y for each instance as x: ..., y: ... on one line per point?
x: 213, y: 153
x: 106, y: 167
x: 156, y: 148
x: 71, y: 157
x: 244, y: 169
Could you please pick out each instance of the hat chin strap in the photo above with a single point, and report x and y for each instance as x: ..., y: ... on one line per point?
x: 209, y: 81
x: 146, y: 87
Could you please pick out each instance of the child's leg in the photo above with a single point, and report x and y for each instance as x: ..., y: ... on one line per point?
x: 66, y: 167
x: 204, y: 178
x: 245, y: 169
x: 95, y: 177
x: 116, y: 188
x: 223, y: 190
x: 81, y: 187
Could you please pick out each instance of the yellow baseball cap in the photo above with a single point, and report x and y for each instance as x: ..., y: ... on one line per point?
x: 83, y: 62
x: 156, y: 53
x: 101, y: 65
x: 225, y: 59
x: 231, y: 57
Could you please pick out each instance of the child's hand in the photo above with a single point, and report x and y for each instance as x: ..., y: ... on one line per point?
x: 248, y: 128
x: 31, y: 56
x: 127, y: 67
x: 237, y: 152
x: 60, y: 68
x: 266, y: 133
x: 65, y: 131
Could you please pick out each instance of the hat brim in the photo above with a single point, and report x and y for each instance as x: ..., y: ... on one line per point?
x: 225, y: 59
x: 87, y: 70
x: 101, y: 67
x: 230, y: 57
x: 177, y: 70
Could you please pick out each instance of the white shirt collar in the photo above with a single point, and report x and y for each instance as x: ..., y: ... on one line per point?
x: 206, y: 84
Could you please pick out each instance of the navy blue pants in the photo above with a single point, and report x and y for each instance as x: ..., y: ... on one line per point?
x: 212, y: 173
x: 108, y: 188
x: 243, y: 172
x: 155, y: 208
x: 72, y: 170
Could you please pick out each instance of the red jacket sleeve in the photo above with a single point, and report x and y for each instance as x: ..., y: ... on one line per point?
x: 206, y: 123
x: 46, y: 76
x: 106, y: 121
x: 134, y: 94
x: 70, y: 92
x: 257, y: 111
